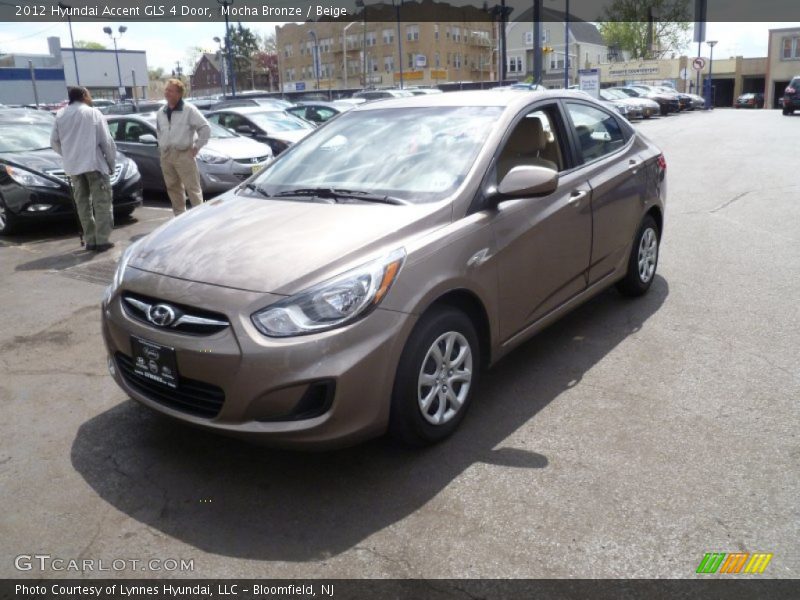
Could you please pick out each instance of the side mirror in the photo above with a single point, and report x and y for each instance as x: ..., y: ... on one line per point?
x: 527, y: 181
x: 148, y: 138
x: 245, y: 129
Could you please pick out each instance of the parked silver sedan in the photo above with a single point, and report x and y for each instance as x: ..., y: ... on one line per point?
x: 227, y: 159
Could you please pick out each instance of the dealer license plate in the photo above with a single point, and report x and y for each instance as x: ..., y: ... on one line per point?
x: 154, y: 362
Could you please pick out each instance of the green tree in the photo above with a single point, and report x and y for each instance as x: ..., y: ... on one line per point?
x: 155, y: 74
x: 89, y: 45
x: 244, y: 46
x: 626, y: 27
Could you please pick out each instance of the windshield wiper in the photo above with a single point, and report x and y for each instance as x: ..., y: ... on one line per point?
x: 338, y: 194
x: 254, y: 188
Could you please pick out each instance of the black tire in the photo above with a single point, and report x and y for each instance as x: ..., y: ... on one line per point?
x: 9, y: 222
x: 407, y: 421
x: 124, y: 213
x: 643, y: 260
x: 787, y: 112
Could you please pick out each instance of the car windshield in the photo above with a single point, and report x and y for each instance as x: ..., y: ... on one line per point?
x: 218, y: 131
x: 278, y: 121
x: 24, y: 137
x: 415, y: 154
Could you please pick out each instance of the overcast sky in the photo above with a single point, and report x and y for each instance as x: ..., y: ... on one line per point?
x: 166, y: 43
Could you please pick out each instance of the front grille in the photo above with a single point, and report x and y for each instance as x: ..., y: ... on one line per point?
x: 192, y: 397
x: 60, y: 174
x: 251, y: 161
x: 187, y: 319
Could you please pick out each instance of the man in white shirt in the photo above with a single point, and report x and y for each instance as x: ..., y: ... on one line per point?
x: 81, y: 137
x: 182, y: 131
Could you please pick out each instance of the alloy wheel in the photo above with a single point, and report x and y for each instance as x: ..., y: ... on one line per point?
x: 445, y: 378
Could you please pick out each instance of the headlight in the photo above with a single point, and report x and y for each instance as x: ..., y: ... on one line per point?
x: 120, y: 272
x: 622, y: 109
x: 214, y: 158
x: 333, y: 303
x: 26, y: 178
x: 132, y: 169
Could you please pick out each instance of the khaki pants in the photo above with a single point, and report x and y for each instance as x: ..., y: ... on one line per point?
x: 93, y: 199
x: 180, y: 172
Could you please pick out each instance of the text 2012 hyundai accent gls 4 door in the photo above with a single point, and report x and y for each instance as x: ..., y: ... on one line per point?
x: 362, y: 281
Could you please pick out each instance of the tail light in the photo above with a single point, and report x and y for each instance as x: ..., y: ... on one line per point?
x: 661, y: 162
x: 790, y: 90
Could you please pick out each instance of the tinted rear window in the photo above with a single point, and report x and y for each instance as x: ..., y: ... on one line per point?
x: 795, y: 83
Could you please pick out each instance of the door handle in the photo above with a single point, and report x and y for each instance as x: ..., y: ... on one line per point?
x: 633, y: 165
x: 576, y: 197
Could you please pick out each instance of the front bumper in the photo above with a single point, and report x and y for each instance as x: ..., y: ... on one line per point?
x: 46, y: 203
x: 264, y: 382
x: 222, y: 177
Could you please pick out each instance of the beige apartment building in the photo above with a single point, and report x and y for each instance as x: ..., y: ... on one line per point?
x: 783, y: 62
x: 358, y: 54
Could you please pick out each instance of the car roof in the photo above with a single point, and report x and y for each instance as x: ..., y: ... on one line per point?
x: 470, y: 98
x: 246, y: 110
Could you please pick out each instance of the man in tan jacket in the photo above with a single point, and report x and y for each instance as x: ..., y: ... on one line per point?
x: 182, y: 131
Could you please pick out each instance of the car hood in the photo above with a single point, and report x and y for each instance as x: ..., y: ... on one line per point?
x: 278, y: 247
x: 41, y: 160
x: 239, y: 147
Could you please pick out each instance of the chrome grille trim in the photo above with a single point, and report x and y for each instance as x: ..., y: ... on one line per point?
x: 187, y: 319
x: 60, y: 174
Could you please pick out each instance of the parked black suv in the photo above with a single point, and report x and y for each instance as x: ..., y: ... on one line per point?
x: 791, y: 96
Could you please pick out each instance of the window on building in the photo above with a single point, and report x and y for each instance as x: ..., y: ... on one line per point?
x: 457, y: 60
x: 437, y: 60
x: 388, y: 36
x: 287, y: 51
x: 410, y: 60
x: 456, y: 34
x: 515, y: 64
x: 412, y: 33
x: 791, y: 48
x: 371, y: 38
x: 388, y: 64
x: 436, y: 32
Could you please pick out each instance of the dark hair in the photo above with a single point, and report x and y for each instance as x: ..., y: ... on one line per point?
x: 77, y: 94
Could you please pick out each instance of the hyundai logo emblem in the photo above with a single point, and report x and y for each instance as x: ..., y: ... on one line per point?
x: 162, y: 315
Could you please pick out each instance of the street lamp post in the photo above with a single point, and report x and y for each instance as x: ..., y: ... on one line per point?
x: 315, y: 57
x: 360, y: 4
x: 710, y: 93
x: 566, y: 46
x: 66, y: 7
x: 223, y: 73
x: 231, y: 72
x: 397, y: 8
x: 122, y: 29
x: 344, y: 50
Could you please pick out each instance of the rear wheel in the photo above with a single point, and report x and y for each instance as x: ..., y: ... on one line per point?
x: 642, y: 261
x: 435, y: 378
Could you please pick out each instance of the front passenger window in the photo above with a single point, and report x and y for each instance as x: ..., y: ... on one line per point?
x: 534, y: 141
x: 599, y: 133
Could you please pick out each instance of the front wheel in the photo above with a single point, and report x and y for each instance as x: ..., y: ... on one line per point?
x: 8, y: 220
x: 642, y: 261
x: 435, y: 378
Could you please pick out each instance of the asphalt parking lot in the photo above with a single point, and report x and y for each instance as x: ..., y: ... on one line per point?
x: 627, y: 440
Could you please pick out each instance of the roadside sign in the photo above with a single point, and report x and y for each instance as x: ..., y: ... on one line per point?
x: 589, y: 82
x: 699, y: 63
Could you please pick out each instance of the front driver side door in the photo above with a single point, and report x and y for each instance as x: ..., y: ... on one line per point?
x: 543, y: 243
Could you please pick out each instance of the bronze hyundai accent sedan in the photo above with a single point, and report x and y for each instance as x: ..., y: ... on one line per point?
x: 362, y: 281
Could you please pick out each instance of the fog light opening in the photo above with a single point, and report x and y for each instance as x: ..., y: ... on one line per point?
x: 38, y: 207
x: 111, y: 367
